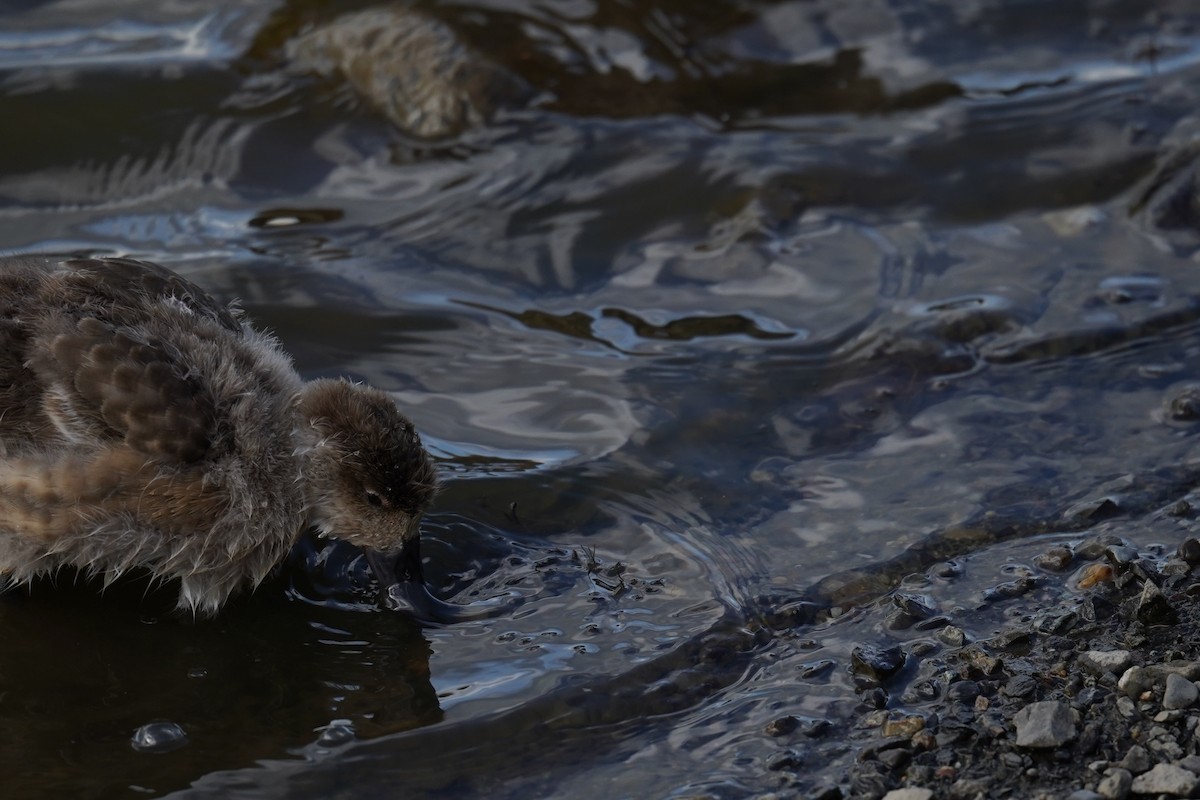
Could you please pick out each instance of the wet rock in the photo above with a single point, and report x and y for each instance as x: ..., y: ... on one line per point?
x: 1189, y: 551
x: 1020, y: 686
x: 953, y: 636
x: 337, y: 732
x: 1115, y: 784
x: 1179, y: 692
x: 875, y: 698
x: 1095, y: 574
x: 876, y: 663
x: 963, y: 691
x: 1015, y: 641
x: 924, y: 741
x: 1084, y: 794
x: 1056, y: 559
x: 787, y: 760
x: 1049, y: 723
x: 817, y: 669
x: 1153, y: 607
x: 1176, y: 568
x: 1120, y: 556
x: 913, y: 606
x: 409, y: 66
x: 1183, y: 404
x: 817, y: 728
x: 905, y: 726
x: 1166, y: 779
x: 1009, y: 590
x: 895, y: 759
x: 159, y: 737
x: 782, y: 726
x: 1098, y: 662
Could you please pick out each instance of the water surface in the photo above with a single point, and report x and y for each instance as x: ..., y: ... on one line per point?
x: 731, y: 326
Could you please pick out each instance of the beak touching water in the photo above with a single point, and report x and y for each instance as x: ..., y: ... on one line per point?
x: 401, y: 580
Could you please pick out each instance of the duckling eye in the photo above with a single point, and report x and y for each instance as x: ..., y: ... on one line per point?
x: 373, y: 498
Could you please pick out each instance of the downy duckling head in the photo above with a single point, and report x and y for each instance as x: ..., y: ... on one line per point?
x: 368, y: 476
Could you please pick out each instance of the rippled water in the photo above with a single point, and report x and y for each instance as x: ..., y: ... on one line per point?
x: 734, y: 326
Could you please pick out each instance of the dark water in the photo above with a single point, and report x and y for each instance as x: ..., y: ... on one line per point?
x: 733, y: 325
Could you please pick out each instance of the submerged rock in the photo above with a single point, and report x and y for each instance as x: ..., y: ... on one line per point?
x: 159, y: 737
x: 410, y: 67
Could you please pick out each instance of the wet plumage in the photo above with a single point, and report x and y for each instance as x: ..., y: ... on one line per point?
x: 145, y: 425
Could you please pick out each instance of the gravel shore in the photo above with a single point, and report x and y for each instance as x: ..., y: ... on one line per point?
x: 1096, y: 695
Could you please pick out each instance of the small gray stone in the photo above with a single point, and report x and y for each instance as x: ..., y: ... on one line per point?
x: 1135, y: 680
x: 1098, y: 662
x: 909, y: 793
x: 1166, y: 779
x: 1115, y: 784
x: 1084, y: 794
x: 1126, y: 708
x: 1180, y: 692
x: 1048, y: 723
x: 1136, y: 760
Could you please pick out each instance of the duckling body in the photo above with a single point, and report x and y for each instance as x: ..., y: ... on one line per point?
x: 145, y: 425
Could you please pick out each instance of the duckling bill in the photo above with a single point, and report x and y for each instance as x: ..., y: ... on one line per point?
x: 145, y: 425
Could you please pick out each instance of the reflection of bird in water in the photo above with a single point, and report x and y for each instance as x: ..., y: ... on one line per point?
x: 145, y: 425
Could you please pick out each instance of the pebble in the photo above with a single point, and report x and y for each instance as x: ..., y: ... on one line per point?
x: 1098, y: 662
x: 1048, y: 723
x: 953, y: 636
x: 905, y: 726
x: 1135, y: 680
x: 1136, y: 760
x: 877, y: 663
x: 1115, y: 784
x: 909, y: 794
x: 1055, y: 559
x: 1166, y: 779
x: 1179, y: 693
x: 1153, y: 608
x: 1126, y: 708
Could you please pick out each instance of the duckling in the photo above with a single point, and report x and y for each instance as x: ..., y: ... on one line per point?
x: 145, y: 425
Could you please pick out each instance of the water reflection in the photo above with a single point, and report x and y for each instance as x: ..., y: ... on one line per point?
x: 744, y: 335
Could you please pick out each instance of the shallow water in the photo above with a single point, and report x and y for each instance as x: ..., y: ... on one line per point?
x: 737, y: 327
